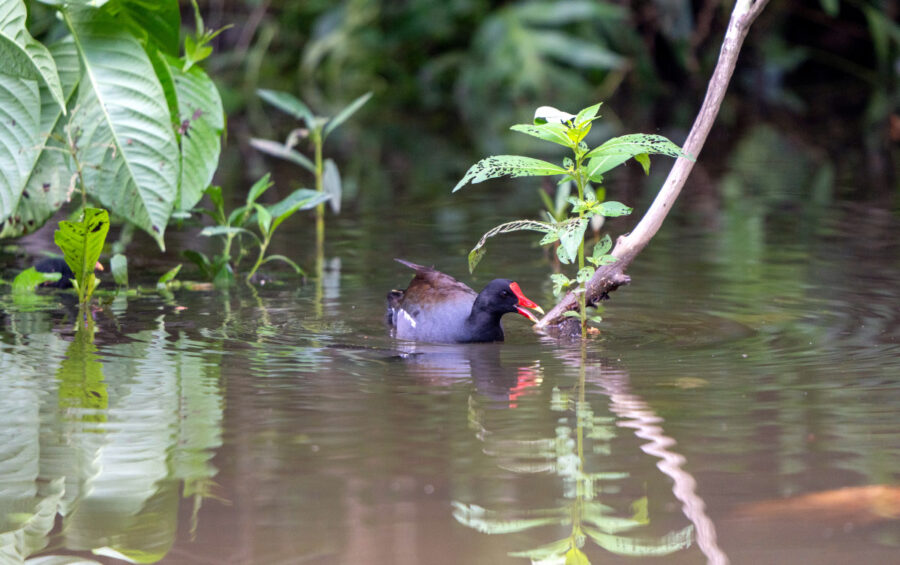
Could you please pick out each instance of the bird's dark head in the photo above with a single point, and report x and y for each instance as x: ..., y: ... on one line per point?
x: 501, y: 296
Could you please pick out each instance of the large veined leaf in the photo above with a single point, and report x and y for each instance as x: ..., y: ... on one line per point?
x: 21, y: 55
x: 635, y: 144
x: 202, y: 120
x: 19, y: 121
x: 45, y: 188
x: 127, y: 142
x: 508, y: 165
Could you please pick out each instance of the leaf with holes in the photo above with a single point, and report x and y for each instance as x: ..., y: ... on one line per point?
x: 508, y: 165
x: 81, y: 244
x: 478, y: 251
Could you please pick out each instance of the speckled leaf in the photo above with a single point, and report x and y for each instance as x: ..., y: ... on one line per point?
x: 635, y: 144
x: 508, y: 165
x: 21, y: 55
x: 570, y: 237
x: 127, y: 140
x: 49, y: 176
x: 478, y: 251
x: 202, y: 120
x: 612, y: 209
x: 81, y: 244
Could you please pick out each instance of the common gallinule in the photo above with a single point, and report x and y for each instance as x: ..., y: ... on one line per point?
x: 438, y: 308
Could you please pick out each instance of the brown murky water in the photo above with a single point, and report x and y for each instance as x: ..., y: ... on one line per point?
x: 745, y: 381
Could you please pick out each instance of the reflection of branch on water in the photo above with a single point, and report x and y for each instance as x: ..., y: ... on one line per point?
x: 639, y: 416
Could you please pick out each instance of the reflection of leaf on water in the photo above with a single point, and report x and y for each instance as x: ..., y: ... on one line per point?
x: 642, y: 547
x: 564, y: 455
x: 80, y: 376
x: 32, y: 527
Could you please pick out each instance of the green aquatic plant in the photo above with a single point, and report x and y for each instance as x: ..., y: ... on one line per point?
x: 317, y: 129
x: 81, y: 243
x: 585, y: 169
x: 236, y: 229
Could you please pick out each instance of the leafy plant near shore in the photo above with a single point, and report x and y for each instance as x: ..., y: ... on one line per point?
x: 317, y: 129
x: 144, y: 123
x: 236, y: 229
x: 585, y: 168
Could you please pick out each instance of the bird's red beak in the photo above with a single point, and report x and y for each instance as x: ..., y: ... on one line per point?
x: 526, y: 302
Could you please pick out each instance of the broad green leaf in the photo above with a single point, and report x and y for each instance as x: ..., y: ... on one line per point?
x: 282, y: 151
x: 570, y: 237
x: 20, y: 109
x: 598, y: 165
x: 127, y: 141
x: 259, y: 187
x: 612, y: 209
x: 201, y: 120
x: 289, y: 104
x: 478, y: 251
x: 331, y: 184
x: 118, y: 264
x: 508, y: 165
x: 157, y: 22
x: 588, y: 114
x: 553, y: 132
x: 345, y: 114
x: 284, y: 259
x: 168, y: 276
x: 23, y: 56
x: 300, y: 199
x: 642, y: 547
x: 81, y: 244
x: 635, y: 144
x: 571, y: 313
x: 28, y: 279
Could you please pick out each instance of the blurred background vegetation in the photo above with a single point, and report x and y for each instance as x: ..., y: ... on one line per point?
x: 816, y: 92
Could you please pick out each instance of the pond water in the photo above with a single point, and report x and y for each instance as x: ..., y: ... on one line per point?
x: 740, y: 405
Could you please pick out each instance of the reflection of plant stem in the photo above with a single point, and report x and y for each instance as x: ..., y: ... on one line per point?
x: 320, y: 274
x: 577, y: 506
x: 638, y: 416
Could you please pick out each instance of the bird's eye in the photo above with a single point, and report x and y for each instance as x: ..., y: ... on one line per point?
x: 504, y: 293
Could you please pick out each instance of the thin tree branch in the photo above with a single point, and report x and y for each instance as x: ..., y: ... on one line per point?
x: 608, y: 278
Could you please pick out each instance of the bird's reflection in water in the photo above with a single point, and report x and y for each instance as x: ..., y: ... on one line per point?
x: 494, y: 378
